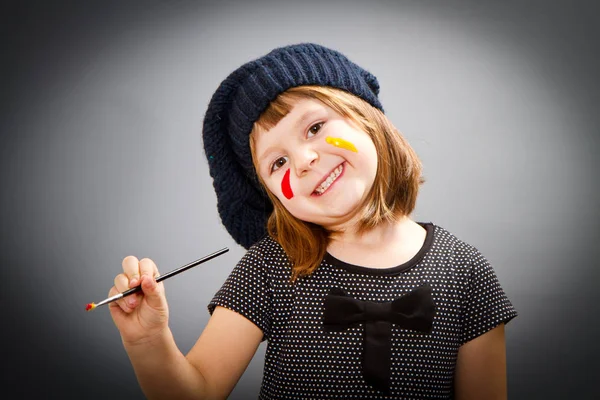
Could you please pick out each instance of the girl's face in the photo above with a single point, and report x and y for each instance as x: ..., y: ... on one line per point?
x: 318, y: 164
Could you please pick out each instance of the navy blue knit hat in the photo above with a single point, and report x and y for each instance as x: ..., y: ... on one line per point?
x: 240, y: 100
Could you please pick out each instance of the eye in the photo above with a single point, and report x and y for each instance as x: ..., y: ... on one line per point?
x: 313, y: 130
x: 280, y: 162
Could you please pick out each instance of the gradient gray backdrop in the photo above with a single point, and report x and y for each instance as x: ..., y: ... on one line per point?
x: 102, y: 107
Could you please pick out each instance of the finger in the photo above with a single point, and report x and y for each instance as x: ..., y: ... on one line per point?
x: 113, y: 291
x: 120, y: 304
x: 121, y: 283
x: 148, y: 267
x: 115, y: 308
x: 131, y: 268
x: 153, y: 292
x: 130, y: 302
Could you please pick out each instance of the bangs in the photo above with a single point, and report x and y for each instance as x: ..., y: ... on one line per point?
x: 277, y: 109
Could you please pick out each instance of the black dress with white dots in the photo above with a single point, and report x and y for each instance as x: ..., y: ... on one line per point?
x: 305, y: 361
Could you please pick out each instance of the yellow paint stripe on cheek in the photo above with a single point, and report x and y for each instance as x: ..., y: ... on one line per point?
x: 341, y: 143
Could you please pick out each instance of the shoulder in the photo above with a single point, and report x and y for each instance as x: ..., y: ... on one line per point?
x: 266, y: 246
x: 460, y: 255
x: 267, y: 249
x: 266, y: 256
x: 447, y: 241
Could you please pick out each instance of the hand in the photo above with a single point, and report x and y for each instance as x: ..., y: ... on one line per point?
x: 142, y: 315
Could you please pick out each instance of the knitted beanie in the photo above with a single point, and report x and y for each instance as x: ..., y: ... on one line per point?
x: 240, y: 100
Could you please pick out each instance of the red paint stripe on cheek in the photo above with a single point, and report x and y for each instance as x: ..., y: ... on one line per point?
x: 285, y: 185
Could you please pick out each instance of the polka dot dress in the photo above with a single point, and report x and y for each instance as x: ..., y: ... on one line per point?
x: 304, y: 361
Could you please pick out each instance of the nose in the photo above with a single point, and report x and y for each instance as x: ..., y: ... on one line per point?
x: 305, y: 159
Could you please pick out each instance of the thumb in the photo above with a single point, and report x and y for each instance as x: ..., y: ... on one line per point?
x: 153, y: 292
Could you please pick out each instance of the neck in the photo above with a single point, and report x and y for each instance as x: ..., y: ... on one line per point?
x: 387, y: 245
x: 383, y: 233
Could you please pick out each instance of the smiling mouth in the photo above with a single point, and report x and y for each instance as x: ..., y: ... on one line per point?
x: 329, y: 180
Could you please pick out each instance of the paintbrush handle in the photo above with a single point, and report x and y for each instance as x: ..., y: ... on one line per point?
x: 133, y: 290
x: 159, y: 278
x: 177, y: 271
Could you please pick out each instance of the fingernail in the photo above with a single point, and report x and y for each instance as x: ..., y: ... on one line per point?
x: 131, y: 301
x: 133, y: 282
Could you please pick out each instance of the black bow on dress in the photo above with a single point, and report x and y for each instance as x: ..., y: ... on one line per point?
x: 414, y: 311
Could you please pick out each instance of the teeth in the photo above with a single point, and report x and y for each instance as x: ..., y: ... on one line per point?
x: 332, y: 177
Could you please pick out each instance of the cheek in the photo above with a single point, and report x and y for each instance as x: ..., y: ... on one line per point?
x: 286, y: 188
x: 341, y: 143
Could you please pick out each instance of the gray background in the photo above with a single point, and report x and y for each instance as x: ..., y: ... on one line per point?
x: 102, y: 107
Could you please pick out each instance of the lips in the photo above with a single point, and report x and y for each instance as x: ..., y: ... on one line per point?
x: 329, y: 180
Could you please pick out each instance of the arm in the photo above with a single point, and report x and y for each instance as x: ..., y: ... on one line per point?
x: 224, y: 350
x: 481, y: 367
x: 210, y: 370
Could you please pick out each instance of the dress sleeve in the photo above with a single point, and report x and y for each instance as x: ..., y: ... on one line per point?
x: 247, y: 291
x: 486, y: 305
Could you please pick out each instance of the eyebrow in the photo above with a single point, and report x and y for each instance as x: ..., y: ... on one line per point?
x: 303, y: 120
x: 264, y: 155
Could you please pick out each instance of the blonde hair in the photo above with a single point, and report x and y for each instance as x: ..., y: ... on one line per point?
x: 392, y: 196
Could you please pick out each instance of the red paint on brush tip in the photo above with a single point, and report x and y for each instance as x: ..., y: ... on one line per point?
x: 90, y: 306
x: 286, y: 188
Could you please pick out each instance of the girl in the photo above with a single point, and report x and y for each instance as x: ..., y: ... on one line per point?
x: 355, y: 299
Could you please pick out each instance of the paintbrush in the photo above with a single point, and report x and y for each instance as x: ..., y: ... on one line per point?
x: 160, y: 278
